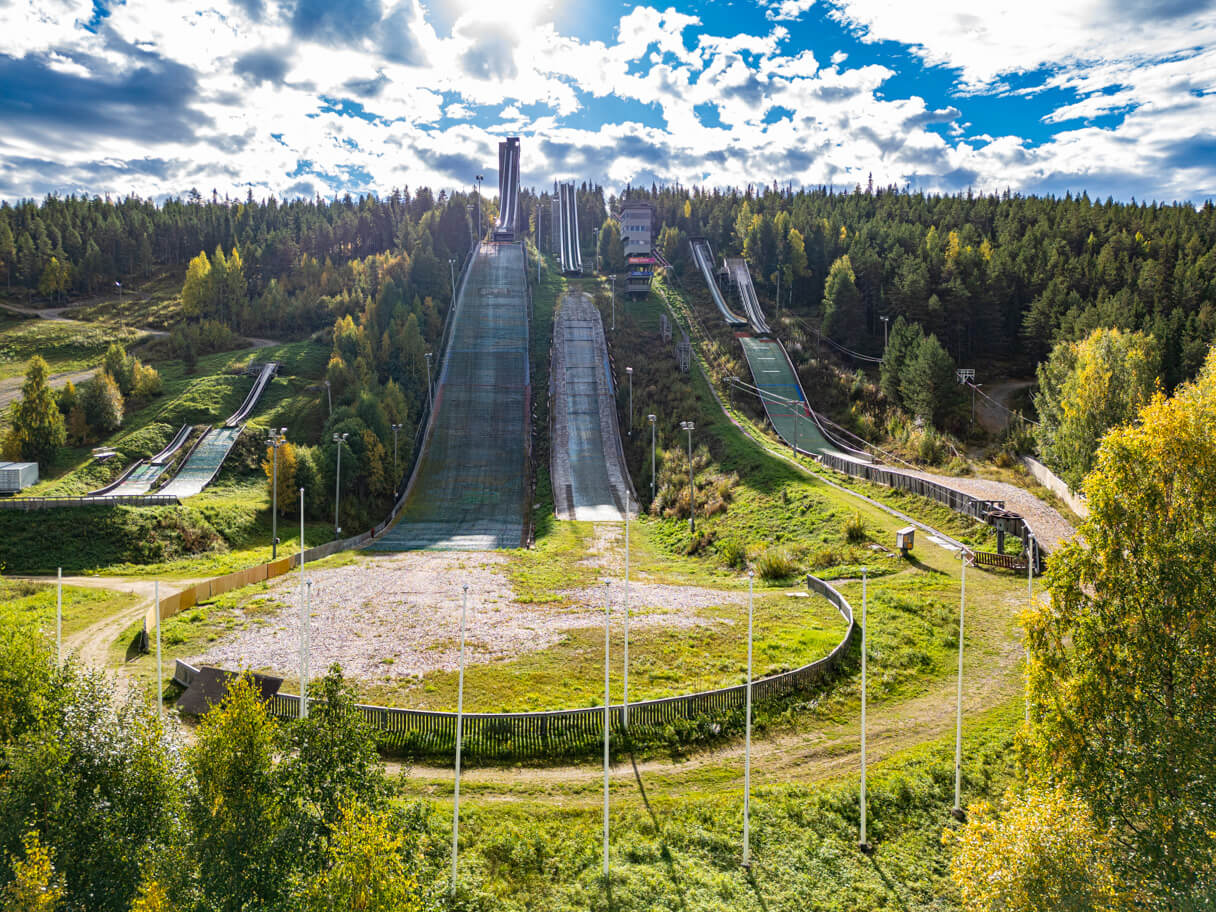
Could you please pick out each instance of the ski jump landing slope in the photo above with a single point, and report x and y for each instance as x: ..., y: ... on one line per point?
x: 469, y: 490
x: 772, y: 371
x: 588, y: 462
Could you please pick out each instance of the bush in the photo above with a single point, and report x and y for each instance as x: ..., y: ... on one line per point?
x: 855, y: 530
x: 776, y: 564
x: 732, y: 553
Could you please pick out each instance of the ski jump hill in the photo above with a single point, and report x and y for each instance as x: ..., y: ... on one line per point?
x: 590, y: 479
x: 470, y: 486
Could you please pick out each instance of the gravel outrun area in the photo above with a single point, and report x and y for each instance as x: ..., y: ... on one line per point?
x: 399, y: 617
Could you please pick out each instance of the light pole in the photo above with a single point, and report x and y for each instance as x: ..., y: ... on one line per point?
x: 629, y: 374
x: 613, y: 278
x: 479, y: 179
x: 59, y: 618
x: 274, y: 440
x: 651, y: 419
x: 160, y: 680
x: 396, y: 428
x: 730, y: 390
x: 329, y: 398
x: 885, y: 322
x: 339, y: 439
x: 958, y: 731
x: 747, y: 749
x: 692, y: 491
x: 430, y: 397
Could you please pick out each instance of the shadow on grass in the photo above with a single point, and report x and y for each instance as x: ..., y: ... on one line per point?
x: 664, y: 849
x: 889, y: 884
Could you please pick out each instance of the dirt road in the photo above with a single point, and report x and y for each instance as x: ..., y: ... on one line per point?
x: 10, y: 387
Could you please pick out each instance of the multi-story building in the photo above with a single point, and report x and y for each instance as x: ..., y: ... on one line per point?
x: 637, y: 235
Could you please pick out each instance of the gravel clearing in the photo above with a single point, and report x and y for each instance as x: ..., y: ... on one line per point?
x: 399, y: 617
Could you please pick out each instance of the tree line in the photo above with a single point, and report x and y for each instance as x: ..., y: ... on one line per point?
x: 992, y: 276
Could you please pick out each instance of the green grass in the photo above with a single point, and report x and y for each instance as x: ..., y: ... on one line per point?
x: 28, y: 602
x: 684, y: 853
x: 66, y: 345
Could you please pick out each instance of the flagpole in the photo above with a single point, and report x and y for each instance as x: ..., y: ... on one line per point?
x: 303, y: 621
x: 59, y: 620
x: 607, y: 614
x: 464, y: 607
x: 747, y: 749
x: 863, y: 844
x: 160, y: 680
x: 958, y: 731
x: 625, y: 701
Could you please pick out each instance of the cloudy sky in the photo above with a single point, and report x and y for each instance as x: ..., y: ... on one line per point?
x: 296, y: 97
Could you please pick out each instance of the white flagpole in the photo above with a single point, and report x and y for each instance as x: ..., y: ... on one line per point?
x: 160, y: 680
x: 625, y: 701
x: 958, y: 732
x: 1030, y: 597
x: 747, y: 737
x: 59, y: 620
x: 464, y: 607
x: 607, y: 614
x: 864, y: 579
x: 303, y: 622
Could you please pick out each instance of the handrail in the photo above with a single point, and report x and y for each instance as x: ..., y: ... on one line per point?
x: 554, y: 733
x: 129, y: 500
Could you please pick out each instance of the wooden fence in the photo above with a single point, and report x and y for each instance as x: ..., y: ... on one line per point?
x: 128, y: 500
x: 567, y: 732
x: 187, y: 598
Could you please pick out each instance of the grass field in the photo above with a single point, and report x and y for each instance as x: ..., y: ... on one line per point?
x: 65, y: 345
x: 27, y: 602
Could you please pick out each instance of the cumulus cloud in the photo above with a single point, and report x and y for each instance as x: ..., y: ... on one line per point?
x: 304, y: 96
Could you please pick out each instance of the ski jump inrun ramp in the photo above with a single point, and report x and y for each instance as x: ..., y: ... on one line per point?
x: 571, y: 255
x: 590, y: 481
x: 469, y: 489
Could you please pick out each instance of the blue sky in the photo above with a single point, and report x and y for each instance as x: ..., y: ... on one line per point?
x: 154, y: 97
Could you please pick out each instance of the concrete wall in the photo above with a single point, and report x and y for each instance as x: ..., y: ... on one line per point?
x: 1056, y: 485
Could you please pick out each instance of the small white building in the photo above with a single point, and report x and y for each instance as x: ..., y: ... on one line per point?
x: 17, y: 476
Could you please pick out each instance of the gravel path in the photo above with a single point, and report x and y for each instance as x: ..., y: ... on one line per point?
x: 1049, y: 527
x: 399, y: 617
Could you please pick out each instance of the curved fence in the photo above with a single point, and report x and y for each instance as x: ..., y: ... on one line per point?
x: 566, y: 732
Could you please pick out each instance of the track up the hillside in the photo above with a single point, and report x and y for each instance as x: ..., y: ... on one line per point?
x: 588, y: 461
x: 470, y: 488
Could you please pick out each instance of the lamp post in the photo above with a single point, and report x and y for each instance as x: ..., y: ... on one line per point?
x: 396, y: 428
x: 479, y: 179
x: 625, y: 698
x: 339, y: 439
x: 274, y: 440
x: 430, y: 396
x: 692, y: 491
x: 303, y: 617
x: 329, y: 398
x: 613, y: 278
x: 885, y: 323
x: 452, y: 276
x: 651, y: 419
x: 629, y: 374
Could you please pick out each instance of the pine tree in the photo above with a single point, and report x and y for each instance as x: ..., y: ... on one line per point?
x: 843, y: 316
x: 928, y: 387
x: 37, y: 428
x: 903, y: 344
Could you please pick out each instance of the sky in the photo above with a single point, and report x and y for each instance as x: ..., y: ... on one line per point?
x: 304, y: 97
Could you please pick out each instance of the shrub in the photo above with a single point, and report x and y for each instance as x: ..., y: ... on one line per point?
x: 732, y: 553
x: 855, y: 530
x: 776, y: 564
